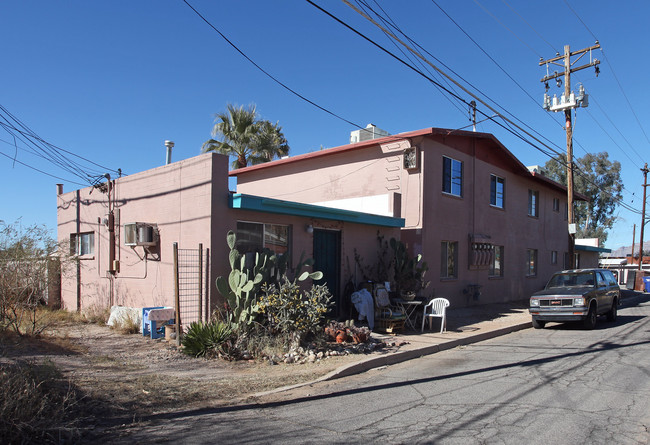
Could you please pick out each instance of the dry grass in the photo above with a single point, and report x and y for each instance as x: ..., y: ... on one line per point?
x: 97, y: 314
x: 37, y: 406
x: 127, y: 325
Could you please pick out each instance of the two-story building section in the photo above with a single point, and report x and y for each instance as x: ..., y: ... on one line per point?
x: 490, y: 229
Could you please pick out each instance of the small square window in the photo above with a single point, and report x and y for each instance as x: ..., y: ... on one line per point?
x: 82, y: 243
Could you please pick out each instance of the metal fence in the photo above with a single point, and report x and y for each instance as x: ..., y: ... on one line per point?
x: 191, y: 284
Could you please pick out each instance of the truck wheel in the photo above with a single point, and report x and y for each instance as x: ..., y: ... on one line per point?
x: 613, y: 312
x: 538, y: 324
x: 590, y: 321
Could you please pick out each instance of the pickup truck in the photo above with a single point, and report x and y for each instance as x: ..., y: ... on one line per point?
x: 576, y: 295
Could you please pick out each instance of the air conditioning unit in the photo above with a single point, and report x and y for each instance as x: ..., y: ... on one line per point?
x: 411, y: 158
x: 140, y: 234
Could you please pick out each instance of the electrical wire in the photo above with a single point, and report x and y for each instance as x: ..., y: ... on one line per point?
x: 576, y: 140
x: 611, y: 67
x: 38, y: 146
x: 508, y: 122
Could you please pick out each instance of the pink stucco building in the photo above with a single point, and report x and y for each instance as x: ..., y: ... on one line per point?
x: 123, y: 234
x: 481, y: 219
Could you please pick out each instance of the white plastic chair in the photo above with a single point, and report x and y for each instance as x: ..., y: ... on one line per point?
x: 436, y: 308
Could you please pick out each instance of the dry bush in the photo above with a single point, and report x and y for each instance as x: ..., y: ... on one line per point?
x: 97, y: 314
x: 37, y: 406
x: 128, y: 324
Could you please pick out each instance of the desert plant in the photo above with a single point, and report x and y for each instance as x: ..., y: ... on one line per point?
x: 290, y: 310
x: 209, y: 339
x: 243, y: 285
x: 409, y: 271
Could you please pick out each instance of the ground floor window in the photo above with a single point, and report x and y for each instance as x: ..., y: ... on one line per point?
x: 449, y: 259
x: 496, y: 265
x: 82, y: 243
x: 554, y: 257
x: 255, y: 237
x: 532, y: 262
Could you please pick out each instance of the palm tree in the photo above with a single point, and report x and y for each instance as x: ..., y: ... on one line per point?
x: 246, y: 137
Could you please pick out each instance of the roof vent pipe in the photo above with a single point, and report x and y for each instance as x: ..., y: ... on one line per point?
x: 169, y: 145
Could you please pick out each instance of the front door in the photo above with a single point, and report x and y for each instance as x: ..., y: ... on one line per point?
x: 327, y: 259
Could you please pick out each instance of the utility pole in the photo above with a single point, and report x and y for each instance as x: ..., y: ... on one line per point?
x: 633, y: 241
x: 472, y: 111
x: 567, y: 102
x: 643, y: 221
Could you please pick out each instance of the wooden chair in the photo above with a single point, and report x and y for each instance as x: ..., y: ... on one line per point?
x: 436, y: 308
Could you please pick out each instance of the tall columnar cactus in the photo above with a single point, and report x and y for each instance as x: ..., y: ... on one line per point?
x: 409, y: 271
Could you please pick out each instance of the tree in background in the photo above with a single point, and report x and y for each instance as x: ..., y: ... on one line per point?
x: 246, y: 137
x: 26, y: 256
x: 599, y: 179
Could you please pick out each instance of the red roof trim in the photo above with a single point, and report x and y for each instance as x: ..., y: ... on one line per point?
x: 401, y: 136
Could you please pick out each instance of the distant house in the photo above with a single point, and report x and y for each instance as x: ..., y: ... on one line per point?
x: 482, y: 220
x: 123, y: 234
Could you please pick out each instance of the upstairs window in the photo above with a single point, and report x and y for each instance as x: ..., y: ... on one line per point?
x: 556, y: 205
x: 497, y: 191
x: 533, y: 203
x: 452, y: 176
x: 82, y: 243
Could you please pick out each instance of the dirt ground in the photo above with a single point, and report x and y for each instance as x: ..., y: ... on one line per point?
x: 124, y: 377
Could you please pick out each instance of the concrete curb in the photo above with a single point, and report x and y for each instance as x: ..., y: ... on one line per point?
x: 398, y: 357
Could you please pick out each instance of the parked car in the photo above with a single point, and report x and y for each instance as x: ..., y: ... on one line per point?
x: 576, y: 295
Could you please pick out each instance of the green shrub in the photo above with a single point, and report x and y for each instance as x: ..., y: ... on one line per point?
x: 209, y: 339
x: 290, y: 310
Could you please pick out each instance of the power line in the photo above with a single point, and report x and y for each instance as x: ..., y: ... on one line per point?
x: 269, y: 75
x: 507, y: 121
x: 40, y: 147
x: 40, y: 171
x: 618, y: 82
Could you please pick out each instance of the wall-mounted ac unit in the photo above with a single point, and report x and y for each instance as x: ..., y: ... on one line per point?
x: 411, y: 158
x: 140, y: 234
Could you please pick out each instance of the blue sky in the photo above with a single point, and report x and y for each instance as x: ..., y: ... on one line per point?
x: 110, y: 81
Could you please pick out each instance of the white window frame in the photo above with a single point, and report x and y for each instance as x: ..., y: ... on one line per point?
x: 82, y: 243
x: 452, y: 185
x: 495, y: 193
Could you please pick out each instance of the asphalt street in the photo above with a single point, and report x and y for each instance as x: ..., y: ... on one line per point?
x: 559, y: 385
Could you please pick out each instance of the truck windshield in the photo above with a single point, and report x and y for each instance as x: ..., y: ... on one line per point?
x: 572, y: 279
